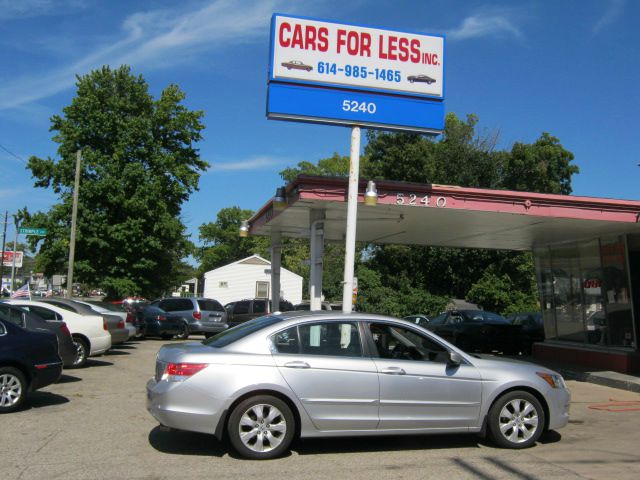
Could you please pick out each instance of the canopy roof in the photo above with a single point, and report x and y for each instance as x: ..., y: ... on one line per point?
x: 444, y: 215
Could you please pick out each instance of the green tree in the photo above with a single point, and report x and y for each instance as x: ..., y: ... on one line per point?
x: 139, y: 165
x: 222, y: 244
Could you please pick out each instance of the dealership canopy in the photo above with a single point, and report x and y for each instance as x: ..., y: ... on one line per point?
x: 448, y: 216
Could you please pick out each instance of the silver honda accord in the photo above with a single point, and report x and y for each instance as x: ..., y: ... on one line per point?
x: 330, y: 374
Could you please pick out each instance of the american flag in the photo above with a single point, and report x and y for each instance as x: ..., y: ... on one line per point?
x: 23, y: 291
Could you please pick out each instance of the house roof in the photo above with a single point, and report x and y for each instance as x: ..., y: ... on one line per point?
x: 254, y: 259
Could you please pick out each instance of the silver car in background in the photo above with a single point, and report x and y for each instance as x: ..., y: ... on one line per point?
x: 331, y: 374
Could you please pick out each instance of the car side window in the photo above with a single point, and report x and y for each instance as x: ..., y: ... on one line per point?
x: 455, y: 319
x: 12, y: 315
x: 259, y: 306
x: 44, y: 313
x: 439, y: 320
x: 241, y: 307
x: 404, y: 344
x: 286, y: 341
x: 330, y: 338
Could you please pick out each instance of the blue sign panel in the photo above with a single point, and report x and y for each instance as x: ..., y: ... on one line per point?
x: 347, y: 107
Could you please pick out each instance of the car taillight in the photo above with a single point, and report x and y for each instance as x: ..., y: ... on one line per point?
x: 104, y: 325
x: 121, y: 324
x: 179, y: 372
x: 65, y: 329
x: 130, y: 317
x: 197, y: 315
x: 161, y: 318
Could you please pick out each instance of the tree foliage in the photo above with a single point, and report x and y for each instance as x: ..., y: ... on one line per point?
x: 222, y: 244
x: 500, y: 280
x: 139, y: 165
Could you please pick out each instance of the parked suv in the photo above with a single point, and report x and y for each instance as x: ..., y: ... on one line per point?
x: 243, y: 310
x: 202, y: 315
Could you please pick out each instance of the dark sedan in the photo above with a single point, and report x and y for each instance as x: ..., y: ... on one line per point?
x: 28, y: 361
x: 478, y: 330
x: 155, y: 322
x: 532, y: 327
x: 34, y: 323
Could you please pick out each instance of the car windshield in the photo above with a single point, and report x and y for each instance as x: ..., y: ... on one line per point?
x: 236, y: 333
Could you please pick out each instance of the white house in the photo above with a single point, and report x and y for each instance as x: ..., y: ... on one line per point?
x: 250, y: 278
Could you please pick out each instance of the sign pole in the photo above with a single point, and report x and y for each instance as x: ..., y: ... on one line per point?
x: 4, y: 238
x: 15, y: 253
x: 352, y: 218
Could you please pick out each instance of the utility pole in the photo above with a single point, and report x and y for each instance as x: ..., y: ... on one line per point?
x: 74, y: 215
x: 4, y: 239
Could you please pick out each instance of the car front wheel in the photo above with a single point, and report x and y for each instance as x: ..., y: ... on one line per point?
x: 516, y: 420
x: 13, y: 389
x: 261, y: 427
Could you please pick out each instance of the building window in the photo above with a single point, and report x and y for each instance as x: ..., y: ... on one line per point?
x: 262, y: 289
x: 223, y: 285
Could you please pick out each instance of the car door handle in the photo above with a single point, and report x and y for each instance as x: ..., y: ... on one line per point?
x: 297, y: 365
x: 393, y: 371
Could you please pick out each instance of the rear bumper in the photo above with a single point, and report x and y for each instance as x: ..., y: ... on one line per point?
x: 101, y: 344
x: 45, y: 374
x: 119, y: 335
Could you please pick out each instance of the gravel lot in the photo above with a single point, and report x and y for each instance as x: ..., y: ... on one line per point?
x: 93, y: 424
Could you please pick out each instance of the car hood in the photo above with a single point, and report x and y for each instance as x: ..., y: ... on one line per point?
x: 488, y: 363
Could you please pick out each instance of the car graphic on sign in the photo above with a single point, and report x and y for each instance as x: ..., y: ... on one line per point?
x: 296, y: 64
x: 420, y: 78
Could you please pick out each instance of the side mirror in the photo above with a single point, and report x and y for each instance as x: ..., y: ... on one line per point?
x: 455, y: 358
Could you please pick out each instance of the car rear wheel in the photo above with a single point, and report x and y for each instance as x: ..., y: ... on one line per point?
x: 516, y: 420
x: 13, y: 389
x: 184, y: 334
x: 82, y: 352
x: 261, y: 427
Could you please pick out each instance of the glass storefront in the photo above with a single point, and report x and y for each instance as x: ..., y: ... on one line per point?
x: 585, y: 292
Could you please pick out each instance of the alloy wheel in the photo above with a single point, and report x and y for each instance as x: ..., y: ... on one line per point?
x: 262, y: 428
x: 518, y: 420
x: 10, y: 390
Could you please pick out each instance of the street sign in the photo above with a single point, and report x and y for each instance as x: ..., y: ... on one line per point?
x: 7, y: 259
x: 32, y: 231
x: 343, y: 74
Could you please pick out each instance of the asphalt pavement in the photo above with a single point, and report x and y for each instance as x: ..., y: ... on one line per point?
x: 93, y: 425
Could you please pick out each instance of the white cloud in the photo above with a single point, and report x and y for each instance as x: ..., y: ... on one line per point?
x: 492, y: 24
x: 612, y: 14
x: 10, y: 9
x: 148, y: 39
x: 252, y: 163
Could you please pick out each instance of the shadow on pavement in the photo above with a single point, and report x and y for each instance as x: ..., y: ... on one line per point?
x: 40, y: 399
x: 550, y: 436
x: 125, y: 346
x: 186, y: 443
x: 317, y: 446
x: 116, y: 352
x: 97, y: 363
x: 68, y: 379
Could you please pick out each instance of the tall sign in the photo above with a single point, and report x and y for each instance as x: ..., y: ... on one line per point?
x: 8, y: 259
x: 343, y: 74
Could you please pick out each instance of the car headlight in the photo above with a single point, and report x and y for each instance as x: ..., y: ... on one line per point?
x: 553, y: 379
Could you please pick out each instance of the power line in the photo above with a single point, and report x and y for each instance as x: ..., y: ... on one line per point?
x: 13, y: 154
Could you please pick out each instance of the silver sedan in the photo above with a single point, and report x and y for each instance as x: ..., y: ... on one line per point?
x: 331, y: 374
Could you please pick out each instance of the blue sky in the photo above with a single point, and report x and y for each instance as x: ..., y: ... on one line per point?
x: 570, y: 68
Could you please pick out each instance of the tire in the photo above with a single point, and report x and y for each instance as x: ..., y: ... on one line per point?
x: 261, y: 427
x: 82, y: 352
x: 13, y: 389
x: 516, y: 420
x: 184, y: 334
x: 208, y: 334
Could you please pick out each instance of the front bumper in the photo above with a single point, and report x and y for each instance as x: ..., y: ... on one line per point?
x: 559, y: 402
